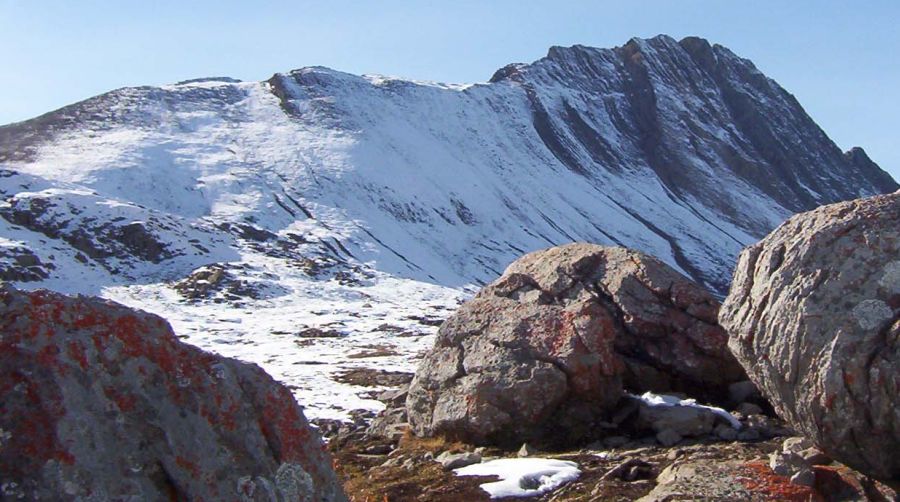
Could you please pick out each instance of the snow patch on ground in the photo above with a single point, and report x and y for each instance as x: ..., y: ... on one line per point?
x: 523, y: 477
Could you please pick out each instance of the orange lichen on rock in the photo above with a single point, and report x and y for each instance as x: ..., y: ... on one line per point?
x: 759, y: 478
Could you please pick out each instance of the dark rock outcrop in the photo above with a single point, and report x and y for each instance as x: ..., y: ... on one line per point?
x: 102, y: 402
x: 558, y: 336
x: 814, y: 316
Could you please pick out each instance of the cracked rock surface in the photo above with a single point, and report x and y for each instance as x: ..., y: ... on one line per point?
x: 102, y: 402
x: 814, y: 316
x: 558, y: 337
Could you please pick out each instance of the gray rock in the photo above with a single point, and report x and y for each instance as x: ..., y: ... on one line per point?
x: 389, y: 424
x: 628, y: 470
x: 749, y: 434
x: 394, y: 461
x: 814, y: 316
x: 787, y: 463
x: 805, y: 449
x: 450, y: 461
x: 815, y: 456
x: 685, y: 420
x: 726, y: 432
x: 699, y: 479
x: 395, y: 398
x: 767, y: 427
x: 526, y: 451
x: 103, y: 402
x: 749, y: 409
x: 804, y: 477
x: 668, y: 437
x: 796, y: 445
x: 554, y: 339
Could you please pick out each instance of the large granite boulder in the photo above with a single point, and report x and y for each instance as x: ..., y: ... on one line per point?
x: 555, y: 339
x: 102, y: 402
x: 814, y: 317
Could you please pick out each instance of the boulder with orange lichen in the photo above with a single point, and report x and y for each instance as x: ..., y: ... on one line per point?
x: 557, y: 338
x: 814, y: 317
x: 102, y: 402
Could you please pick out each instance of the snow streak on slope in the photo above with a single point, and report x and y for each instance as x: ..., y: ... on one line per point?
x: 319, y: 192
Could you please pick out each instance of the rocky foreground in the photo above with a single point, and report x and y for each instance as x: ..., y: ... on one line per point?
x: 102, y: 402
x: 547, y: 349
x: 603, y: 368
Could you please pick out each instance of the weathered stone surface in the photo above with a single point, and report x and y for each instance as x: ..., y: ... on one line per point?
x: 102, y: 402
x: 668, y: 437
x: 684, y: 420
x: 814, y: 316
x: 450, y: 461
x: 558, y: 336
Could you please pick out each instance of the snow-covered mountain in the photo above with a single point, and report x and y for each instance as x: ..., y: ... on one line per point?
x: 369, y: 204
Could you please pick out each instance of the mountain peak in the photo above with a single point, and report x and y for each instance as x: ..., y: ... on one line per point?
x: 675, y: 148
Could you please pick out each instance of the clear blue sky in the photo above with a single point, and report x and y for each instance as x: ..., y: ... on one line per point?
x: 841, y: 59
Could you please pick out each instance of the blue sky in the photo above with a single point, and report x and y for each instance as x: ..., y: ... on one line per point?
x: 839, y: 58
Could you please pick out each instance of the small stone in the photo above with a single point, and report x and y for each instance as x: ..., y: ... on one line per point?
x: 526, y: 451
x: 629, y: 467
x: 796, y: 444
x: 379, y: 449
x: 450, y: 461
x: 637, y: 472
x: 740, y: 392
x: 749, y: 409
x: 749, y: 435
x: 787, y: 463
x: 668, y: 437
x: 393, y: 462
x: 805, y: 477
x: 815, y: 456
x: 674, y: 454
x: 726, y: 432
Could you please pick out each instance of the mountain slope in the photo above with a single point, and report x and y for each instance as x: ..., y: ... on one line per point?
x: 318, y: 184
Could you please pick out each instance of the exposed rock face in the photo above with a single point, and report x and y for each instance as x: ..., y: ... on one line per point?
x: 814, y: 317
x: 557, y: 336
x: 103, y: 402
